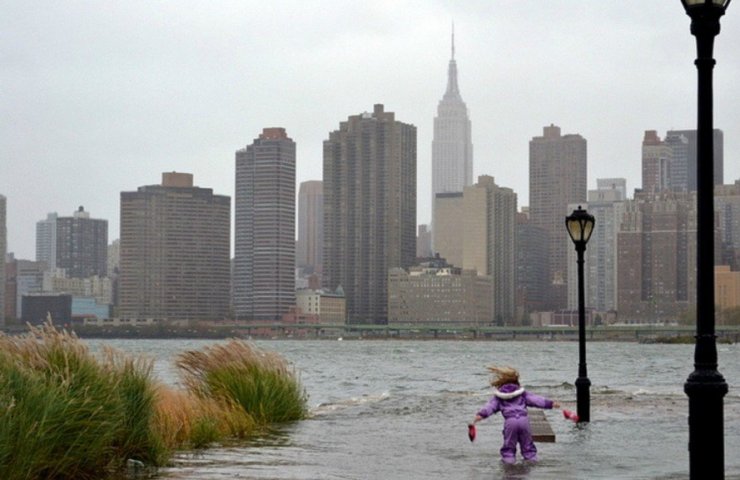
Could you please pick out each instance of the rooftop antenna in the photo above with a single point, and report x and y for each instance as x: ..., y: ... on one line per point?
x: 453, y: 39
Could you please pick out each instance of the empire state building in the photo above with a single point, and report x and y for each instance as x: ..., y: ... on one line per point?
x: 452, y: 149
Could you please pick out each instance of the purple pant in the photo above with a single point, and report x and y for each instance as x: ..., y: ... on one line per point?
x: 516, y: 429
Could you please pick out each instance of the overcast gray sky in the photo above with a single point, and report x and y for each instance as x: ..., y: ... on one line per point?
x: 99, y: 97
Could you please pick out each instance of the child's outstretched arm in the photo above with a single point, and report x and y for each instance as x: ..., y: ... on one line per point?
x: 533, y: 400
x: 489, y: 409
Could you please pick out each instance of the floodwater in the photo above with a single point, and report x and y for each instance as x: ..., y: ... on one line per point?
x: 398, y: 409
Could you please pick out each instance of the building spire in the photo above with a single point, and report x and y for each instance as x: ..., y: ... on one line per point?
x: 453, y: 40
x: 452, y: 88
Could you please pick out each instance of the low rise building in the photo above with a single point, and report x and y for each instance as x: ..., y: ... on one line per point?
x: 37, y: 309
x: 434, y: 293
x: 329, y: 307
x: 88, y: 307
x: 99, y: 288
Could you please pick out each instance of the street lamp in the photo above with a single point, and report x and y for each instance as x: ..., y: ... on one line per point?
x: 580, y: 225
x: 705, y: 386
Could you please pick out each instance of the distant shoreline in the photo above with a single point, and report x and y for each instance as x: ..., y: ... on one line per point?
x: 621, y: 333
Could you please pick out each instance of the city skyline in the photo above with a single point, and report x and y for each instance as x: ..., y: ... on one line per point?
x: 134, y: 90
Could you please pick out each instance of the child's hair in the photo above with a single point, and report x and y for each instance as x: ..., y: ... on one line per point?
x: 503, y: 375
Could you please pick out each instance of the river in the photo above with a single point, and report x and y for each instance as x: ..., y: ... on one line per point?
x: 398, y: 409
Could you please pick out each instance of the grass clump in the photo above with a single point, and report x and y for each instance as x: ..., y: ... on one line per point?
x: 259, y: 382
x: 65, y: 414
x: 184, y: 420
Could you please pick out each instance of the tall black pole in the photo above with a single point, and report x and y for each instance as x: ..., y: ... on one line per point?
x: 705, y: 386
x: 583, y: 384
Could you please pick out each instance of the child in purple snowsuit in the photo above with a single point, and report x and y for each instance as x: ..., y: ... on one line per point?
x: 512, y: 401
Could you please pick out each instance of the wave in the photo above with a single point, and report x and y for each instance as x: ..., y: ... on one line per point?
x: 627, y: 390
x: 328, y: 407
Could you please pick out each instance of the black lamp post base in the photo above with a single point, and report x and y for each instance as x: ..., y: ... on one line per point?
x: 706, y: 389
x: 583, y: 399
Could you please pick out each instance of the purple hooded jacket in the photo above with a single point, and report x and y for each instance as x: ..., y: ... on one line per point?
x: 512, y: 401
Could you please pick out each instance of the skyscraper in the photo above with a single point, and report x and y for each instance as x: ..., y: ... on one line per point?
x: 606, y: 204
x: 448, y: 225
x: 557, y: 178
x: 452, y: 149
x: 657, y: 158
x: 656, y: 272
x: 727, y: 206
x: 46, y: 241
x: 175, y: 249
x: 310, y: 244
x: 423, y: 241
x: 476, y: 229
x: 489, y: 241
x: 678, y: 171
x: 3, y: 251
x: 82, y: 245
x: 532, y: 268
x: 369, y: 209
x: 264, y: 232
x: 719, y: 140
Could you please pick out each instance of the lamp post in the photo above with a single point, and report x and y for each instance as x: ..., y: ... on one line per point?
x: 580, y: 224
x: 705, y: 386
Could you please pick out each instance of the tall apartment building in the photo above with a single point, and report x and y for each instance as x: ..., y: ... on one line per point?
x: 618, y: 185
x: 369, y: 209
x: 656, y: 271
x: 476, y: 230
x: 678, y: 170
x: 606, y: 204
x: 727, y: 206
x: 3, y: 251
x: 557, y: 178
x: 532, y: 268
x: 9, y: 286
x: 175, y: 251
x: 264, y: 232
x: 310, y: 246
x: 719, y: 148
x: 489, y: 241
x: 423, y: 242
x: 657, y: 158
x: 82, y: 245
x: 448, y: 218
x: 452, y: 148
x: 46, y: 240
x: 114, y: 256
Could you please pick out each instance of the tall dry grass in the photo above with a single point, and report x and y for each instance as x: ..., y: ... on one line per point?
x: 184, y: 420
x: 258, y: 381
x: 66, y: 413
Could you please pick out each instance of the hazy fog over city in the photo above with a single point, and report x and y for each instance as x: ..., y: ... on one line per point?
x: 102, y: 97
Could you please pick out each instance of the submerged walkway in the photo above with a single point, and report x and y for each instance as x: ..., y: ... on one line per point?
x: 541, y: 429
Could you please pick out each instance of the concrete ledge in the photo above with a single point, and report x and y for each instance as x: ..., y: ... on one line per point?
x: 541, y: 429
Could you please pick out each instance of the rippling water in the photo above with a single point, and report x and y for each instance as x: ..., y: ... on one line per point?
x: 398, y: 410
